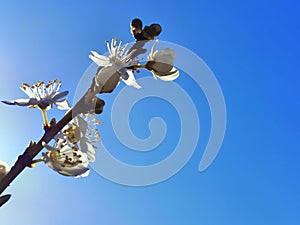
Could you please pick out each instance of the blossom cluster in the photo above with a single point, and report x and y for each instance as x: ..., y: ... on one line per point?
x: 74, y: 147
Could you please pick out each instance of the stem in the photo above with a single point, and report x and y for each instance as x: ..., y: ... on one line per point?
x: 37, y: 161
x: 45, y: 117
x: 141, y: 66
x: 137, y: 66
x: 30, y: 152
x: 82, y: 106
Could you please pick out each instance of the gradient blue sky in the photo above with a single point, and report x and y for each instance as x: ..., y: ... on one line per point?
x: 252, y: 48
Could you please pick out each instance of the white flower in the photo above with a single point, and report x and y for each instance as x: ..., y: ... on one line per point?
x: 82, y: 132
x: 43, y: 96
x: 74, y: 147
x: 160, y: 63
x: 4, y: 169
x: 120, y: 58
x: 66, y: 160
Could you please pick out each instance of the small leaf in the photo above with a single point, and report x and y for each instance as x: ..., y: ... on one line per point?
x: 31, y: 143
x: 4, y: 199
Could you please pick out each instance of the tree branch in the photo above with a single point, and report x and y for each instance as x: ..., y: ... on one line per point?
x: 85, y: 104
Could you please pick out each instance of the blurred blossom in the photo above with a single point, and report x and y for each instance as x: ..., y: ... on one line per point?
x: 4, y: 169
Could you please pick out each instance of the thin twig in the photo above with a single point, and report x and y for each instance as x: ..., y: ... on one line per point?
x: 88, y: 103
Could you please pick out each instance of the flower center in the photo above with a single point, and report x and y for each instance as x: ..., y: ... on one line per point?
x: 68, y: 158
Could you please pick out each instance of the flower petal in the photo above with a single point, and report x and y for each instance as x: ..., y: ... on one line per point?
x: 63, y: 105
x: 100, y: 60
x: 89, y: 149
x: 58, y: 96
x: 22, y: 102
x: 106, y: 80
x: 130, y: 81
x: 75, y: 172
x: 173, y: 74
x: 79, y: 170
x: 28, y: 91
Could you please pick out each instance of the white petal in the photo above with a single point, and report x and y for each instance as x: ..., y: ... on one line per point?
x: 63, y: 105
x: 131, y: 80
x: 173, y: 76
x: 101, y: 57
x: 100, y: 60
x: 56, y: 96
x: 81, y: 123
x: 75, y: 171
x: 22, y: 102
x: 79, y: 170
x: 49, y: 163
x: 84, y: 174
x: 89, y: 149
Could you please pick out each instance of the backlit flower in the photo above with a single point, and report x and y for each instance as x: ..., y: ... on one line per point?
x: 74, y: 147
x: 4, y: 169
x: 119, y: 59
x: 43, y: 96
x: 66, y: 159
x: 160, y: 63
x: 82, y: 131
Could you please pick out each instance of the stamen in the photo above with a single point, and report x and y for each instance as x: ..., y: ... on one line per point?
x: 112, y: 47
x: 53, y: 87
x: 119, y: 46
x: 108, y: 48
x: 26, y: 85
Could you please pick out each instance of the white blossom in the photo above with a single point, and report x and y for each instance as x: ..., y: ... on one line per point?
x: 43, y: 96
x: 74, y: 147
x: 119, y: 59
x: 160, y: 63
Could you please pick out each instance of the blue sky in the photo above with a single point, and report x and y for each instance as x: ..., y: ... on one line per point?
x: 253, y: 50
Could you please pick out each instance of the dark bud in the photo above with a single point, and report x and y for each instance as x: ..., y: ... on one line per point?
x: 155, y: 29
x: 144, y: 34
x: 150, y: 32
x: 136, y: 24
x: 99, y: 106
x: 136, y: 27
